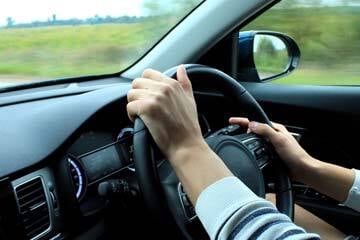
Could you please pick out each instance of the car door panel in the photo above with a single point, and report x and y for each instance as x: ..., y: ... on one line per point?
x: 327, y: 118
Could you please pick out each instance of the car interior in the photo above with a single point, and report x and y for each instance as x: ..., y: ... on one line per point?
x: 73, y: 166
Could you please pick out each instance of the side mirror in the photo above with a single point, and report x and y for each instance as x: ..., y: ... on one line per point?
x: 265, y: 55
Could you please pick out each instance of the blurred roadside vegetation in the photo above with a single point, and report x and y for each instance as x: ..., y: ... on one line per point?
x: 270, y: 55
x: 328, y: 36
x: 49, y: 52
x: 74, y: 47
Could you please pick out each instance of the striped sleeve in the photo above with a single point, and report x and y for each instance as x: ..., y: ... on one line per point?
x: 228, y: 209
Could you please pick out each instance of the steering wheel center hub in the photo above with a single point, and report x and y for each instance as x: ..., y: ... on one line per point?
x: 239, y: 159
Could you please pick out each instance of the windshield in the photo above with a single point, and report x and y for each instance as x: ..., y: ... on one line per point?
x: 48, y: 39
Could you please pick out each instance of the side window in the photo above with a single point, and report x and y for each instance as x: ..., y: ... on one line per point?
x: 328, y: 34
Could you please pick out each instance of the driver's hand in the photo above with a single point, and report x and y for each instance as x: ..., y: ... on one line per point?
x: 293, y: 155
x: 167, y: 108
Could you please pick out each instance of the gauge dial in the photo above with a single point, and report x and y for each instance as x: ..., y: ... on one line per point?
x: 77, y: 177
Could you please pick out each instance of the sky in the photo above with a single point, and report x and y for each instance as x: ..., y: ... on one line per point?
x: 23, y: 11
x: 276, y: 42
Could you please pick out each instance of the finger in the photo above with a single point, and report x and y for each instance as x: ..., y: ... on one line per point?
x: 133, y: 109
x: 184, y: 79
x: 156, y: 76
x: 244, y: 122
x: 280, y: 127
x: 146, y: 83
x: 263, y: 130
x: 138, y: 94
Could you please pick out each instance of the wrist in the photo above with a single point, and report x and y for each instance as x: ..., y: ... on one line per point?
x: 308, y: 168
x: 197, y: 167
x: 181, y: 154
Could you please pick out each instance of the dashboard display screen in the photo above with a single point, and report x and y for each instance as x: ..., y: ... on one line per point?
x: 101, y: 163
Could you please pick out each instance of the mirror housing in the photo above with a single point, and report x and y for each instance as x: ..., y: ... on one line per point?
x: 257, y: 47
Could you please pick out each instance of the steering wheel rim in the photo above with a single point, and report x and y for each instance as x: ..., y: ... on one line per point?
x: 157, y: 183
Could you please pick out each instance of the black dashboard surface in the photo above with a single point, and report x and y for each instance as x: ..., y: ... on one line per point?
x: 31, y: 131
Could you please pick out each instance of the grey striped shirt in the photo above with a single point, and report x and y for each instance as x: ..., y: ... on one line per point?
x: 228, y: 209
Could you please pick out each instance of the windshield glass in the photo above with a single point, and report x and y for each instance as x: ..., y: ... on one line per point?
x: 48, y: 39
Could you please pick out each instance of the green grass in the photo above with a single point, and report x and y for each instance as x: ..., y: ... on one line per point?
x: 65, y: 51
x: 320, y: 77
x: 328, y: 38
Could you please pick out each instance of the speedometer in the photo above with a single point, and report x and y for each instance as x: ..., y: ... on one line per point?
x: 77, y: 178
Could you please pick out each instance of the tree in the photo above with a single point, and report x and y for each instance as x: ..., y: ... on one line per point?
x: 157, y: 7
x: 152, y: 8
x: 10, y: 21
x: 288, y: 4
x: 266, y: 47
x: 345, y: 2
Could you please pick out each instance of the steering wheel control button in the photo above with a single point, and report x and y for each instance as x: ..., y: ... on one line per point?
x: 233, y: 130
x: 230, y: 130
x: 253, y: 144
x: 262, y: 161
x: 260, y: 152
x: 256, y: 144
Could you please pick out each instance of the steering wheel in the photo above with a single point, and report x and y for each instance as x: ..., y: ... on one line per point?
x: 159, y: 185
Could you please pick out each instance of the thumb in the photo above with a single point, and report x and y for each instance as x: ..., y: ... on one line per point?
x: 263, y: 130
x: 183, y: 79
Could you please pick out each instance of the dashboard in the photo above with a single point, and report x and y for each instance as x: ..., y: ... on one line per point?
x: 53, y: 152
x: 63, y: 167
x: 94, y: 158
x: 90, y: 167
x: 66, y: 162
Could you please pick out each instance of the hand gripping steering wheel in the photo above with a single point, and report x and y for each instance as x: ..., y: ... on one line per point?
x: 159, y: 185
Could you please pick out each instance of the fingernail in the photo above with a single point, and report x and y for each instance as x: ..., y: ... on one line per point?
x: 253, y: 125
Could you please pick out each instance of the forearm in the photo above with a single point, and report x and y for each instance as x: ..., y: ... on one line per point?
x: 197, y: 167
x: 329, y: 179
x: 226, y: 206
x: 228, y: 209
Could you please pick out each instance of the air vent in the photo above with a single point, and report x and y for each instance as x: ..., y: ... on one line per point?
x: 33, y: 207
